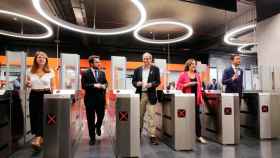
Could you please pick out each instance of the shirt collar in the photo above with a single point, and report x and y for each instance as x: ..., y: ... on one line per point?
x: 234, y: 67
x: 146, y: 68
x: 92, y: 69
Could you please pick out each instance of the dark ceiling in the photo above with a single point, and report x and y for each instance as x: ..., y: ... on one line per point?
x: 267, y: 8
x: 208, y: 24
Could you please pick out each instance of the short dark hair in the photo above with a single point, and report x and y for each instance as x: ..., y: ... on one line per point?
x: 92, y: 57
x: 233, y: 56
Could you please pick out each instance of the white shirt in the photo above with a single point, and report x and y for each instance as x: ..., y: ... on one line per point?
x: 93, y: 72
x: 236, y: 70
x: 42, y: 82
x: 145, y: 76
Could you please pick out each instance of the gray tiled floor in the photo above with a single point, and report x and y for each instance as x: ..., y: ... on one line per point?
x: 249, y: 148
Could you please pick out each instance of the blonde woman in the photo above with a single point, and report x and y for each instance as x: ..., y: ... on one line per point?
x: 40, y: 78
x: 189, y: 82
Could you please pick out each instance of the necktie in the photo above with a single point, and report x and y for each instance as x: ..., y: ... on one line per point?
x: 96, y: 75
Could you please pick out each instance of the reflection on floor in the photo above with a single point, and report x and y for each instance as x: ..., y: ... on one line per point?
x: 248, y: 148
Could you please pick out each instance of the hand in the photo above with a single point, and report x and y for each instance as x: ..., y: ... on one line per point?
x: 148, y: 85
x: 103, y: 86
x: 28, y: 83
x: 234, y: 77
x: 97, y: 85
x: 139, y: 83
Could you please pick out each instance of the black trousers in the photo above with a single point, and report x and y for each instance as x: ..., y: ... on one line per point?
x: 94, y: 105
x: 197, y: 121
x: 36, y: 111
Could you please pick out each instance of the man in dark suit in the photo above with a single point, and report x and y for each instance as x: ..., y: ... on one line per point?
x: 94, y: 83
x: 233, y: 76
x: 146, y: 79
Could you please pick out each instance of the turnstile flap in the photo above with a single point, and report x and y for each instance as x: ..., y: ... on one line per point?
x: 124, y: 93
x: 230, y: 94
x: 172, y: 91
x: 64, y: 91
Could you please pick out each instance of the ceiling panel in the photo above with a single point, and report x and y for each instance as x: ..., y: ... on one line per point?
x: 112, y: 14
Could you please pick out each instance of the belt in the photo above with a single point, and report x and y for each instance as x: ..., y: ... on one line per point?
x: 144, y: 92
x: 41, y: 90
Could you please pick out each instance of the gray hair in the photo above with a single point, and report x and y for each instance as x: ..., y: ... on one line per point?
x: 147, y: 53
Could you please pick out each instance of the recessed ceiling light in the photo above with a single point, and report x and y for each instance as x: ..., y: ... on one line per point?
x: 164, y: 22
x: 16, y: 16
x: 86, y: 30
x: 230, y: 39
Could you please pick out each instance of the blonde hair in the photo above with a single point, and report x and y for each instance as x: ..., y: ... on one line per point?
x: 35, y: 65
x: 188, y: 64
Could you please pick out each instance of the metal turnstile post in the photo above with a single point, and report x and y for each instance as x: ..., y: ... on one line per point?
x: 178, y: 120
x: 221, y: 118
x: 62, y: 125
x: 127, y: 143
x: 260, y: 114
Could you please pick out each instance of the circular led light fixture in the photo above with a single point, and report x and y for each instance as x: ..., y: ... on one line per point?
x: 48, y: 33
x: 230, y: 35
x: 86, y: 30
x: 165, y: 22
x: 242, y: 49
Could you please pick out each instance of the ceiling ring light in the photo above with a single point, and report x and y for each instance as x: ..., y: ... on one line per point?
x: 242, y: 49
x: 86, y: 30
x: 232, y: 33
x: 48, y: 33
x: 166, y: 22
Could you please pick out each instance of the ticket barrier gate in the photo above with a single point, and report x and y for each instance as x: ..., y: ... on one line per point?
x: 178, y: 119
x: 127, y: 112
x: 259, y: 114
x: 221, y: 121
x: 62, y: 124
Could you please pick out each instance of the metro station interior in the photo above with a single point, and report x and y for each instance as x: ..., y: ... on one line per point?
x: 139, y: 78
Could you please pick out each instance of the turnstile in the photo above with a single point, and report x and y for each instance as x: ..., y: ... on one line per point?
x: 127, y: 112
x: 259, y: 114
x: 178, y: 120
x: 221, y: 120
x: 62, y: 124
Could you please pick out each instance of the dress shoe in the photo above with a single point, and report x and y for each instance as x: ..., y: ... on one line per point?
x: 41, y: 141
x: 98, y: 131
x: 154, y: 141
x: 201, y: 140
x: 91, y: 142
x: 36, y: 145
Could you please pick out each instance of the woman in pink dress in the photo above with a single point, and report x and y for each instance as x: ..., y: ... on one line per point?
x: 189, y: 82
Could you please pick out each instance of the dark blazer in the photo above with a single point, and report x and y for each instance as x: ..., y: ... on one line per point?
x: 232, y: 86
x: 93, y: 94
x: 154, y: 79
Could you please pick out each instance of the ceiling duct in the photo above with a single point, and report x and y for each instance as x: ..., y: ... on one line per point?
x: 79, y: 12
x: 248, y: 2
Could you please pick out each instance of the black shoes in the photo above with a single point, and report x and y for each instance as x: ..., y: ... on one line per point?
x: 154, y: 141
x: 98, y: 131
x: 91, y: 141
